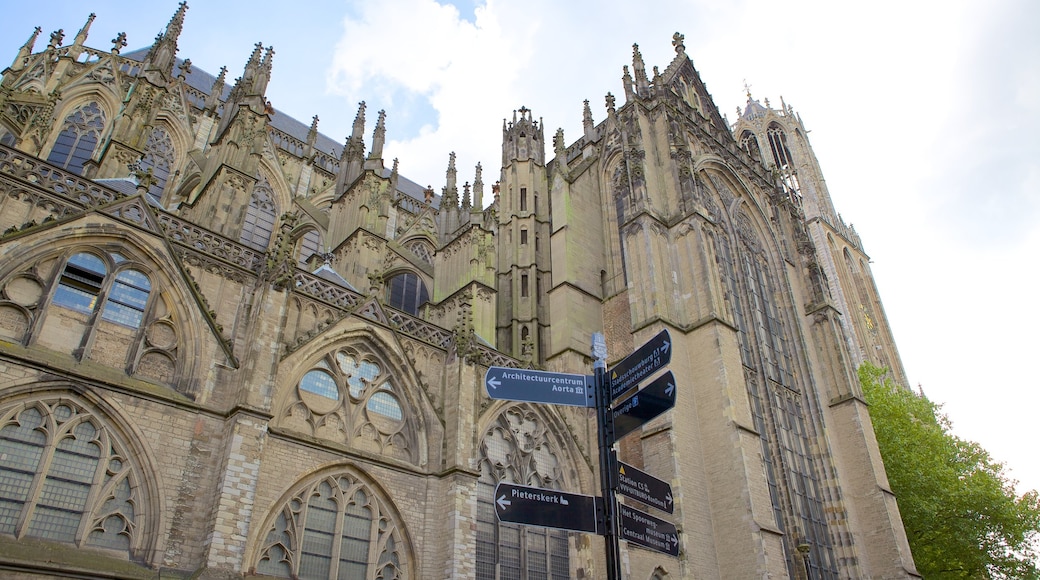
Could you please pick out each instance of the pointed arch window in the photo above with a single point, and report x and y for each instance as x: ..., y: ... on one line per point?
x: 80, y: 134
x: 332, y: 528
x: 778, y: 146
x: 159, y: 156
x: 66, y: 477
x: 407, y: 292
x: 749, y: 143
x: 310, y: 244
x: 516, y: 449
x: 422, y: 249
x: 258, y: 226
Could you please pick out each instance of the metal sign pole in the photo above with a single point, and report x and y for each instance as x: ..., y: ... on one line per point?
x: 606, y: 439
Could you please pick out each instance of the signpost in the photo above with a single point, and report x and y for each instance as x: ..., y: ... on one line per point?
x: 548, y: 508
x: 539, y: 387
x: 641, y: 486
x: 646, y: 360
x: 645, y: 530
x: 642, y: 406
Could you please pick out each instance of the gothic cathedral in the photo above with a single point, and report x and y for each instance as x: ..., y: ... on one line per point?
x: 233, y: 347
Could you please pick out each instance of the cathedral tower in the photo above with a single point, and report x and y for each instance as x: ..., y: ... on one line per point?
x: 523, y: 227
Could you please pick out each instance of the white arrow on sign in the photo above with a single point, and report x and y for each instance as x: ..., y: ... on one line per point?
x: 665, y: 346
x: 669, y: 389
x: 668, y: 498
x: 493, y: 382
x: 503, y: 502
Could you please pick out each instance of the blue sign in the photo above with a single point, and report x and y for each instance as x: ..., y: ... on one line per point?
x: 540, y: 387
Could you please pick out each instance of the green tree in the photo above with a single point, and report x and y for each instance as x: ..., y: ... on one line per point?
x: 960, y: 511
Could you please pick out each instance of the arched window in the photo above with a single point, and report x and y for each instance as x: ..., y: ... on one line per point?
x: 778, y: 145
x: 332, y: 528
x: 66, y: 477
x: 258, y: 225
x: 350, y: 396
x: 516, y: 449
x: 159, y: 156
x: 79, y: 135
x: 407, y: 292
x: 7, y: 138
x: 85, y: 278
x: 310, y: 244
x: 422, y: 249
x: 749, y: 143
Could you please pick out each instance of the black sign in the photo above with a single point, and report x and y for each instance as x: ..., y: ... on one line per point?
x: 641, y: 486
x: 534, y: 506
x: 539, y: 387
x: 646, y: 360
x: 644, y: 529
x: 631, y: 413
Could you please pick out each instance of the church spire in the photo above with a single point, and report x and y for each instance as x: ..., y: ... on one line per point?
x: 161, y: 56
x: 81, y: 36
x: 378, y: 137
x: 642, y: 83
x: 451, y: 189
x: 22, y: 57
x: 216, y: 91
x: 478, y: 188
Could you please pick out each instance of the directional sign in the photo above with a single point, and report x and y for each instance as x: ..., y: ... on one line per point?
x: 643, y: 405
x: 534, y: 506
x: 644, y: 529
x: 641, y: 486
x: 539, y: 387
x: 646, y: 360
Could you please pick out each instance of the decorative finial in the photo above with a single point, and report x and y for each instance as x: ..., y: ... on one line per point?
x: 119, y: 43
x: 56, y: 37
x: 610, y: 102
x: 677, y: 42
x: 747, y: 89
x: 185, y: 69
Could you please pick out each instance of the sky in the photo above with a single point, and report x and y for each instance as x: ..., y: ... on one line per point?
x: 925, y: 117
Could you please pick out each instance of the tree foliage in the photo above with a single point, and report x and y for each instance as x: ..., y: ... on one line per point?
x: 960, y: 511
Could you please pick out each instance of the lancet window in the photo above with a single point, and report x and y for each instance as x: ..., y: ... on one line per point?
x: 334, y: 527
x: 407, y: 292
x: 159, y: 156
x: 777, y: 405
x: 67, y: 477
x: 80, y: 134
x: 310, y: 244
x: 778, y: 145
x: 516, y: 449
x: 258, y: 225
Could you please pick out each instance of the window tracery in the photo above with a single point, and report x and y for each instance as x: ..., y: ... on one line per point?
x: 350, y: 396
x: 97, y: 304
x: 80, y: 134
x: 67, y: 477
x: 516, y: 449
x: 334, y: 527
x: 310, y: 244
x: 258, y: 224
x: 422, y: 249
x: 159, y: 156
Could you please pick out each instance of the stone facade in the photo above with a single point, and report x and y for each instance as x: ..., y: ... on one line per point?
x: 232, y: 347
